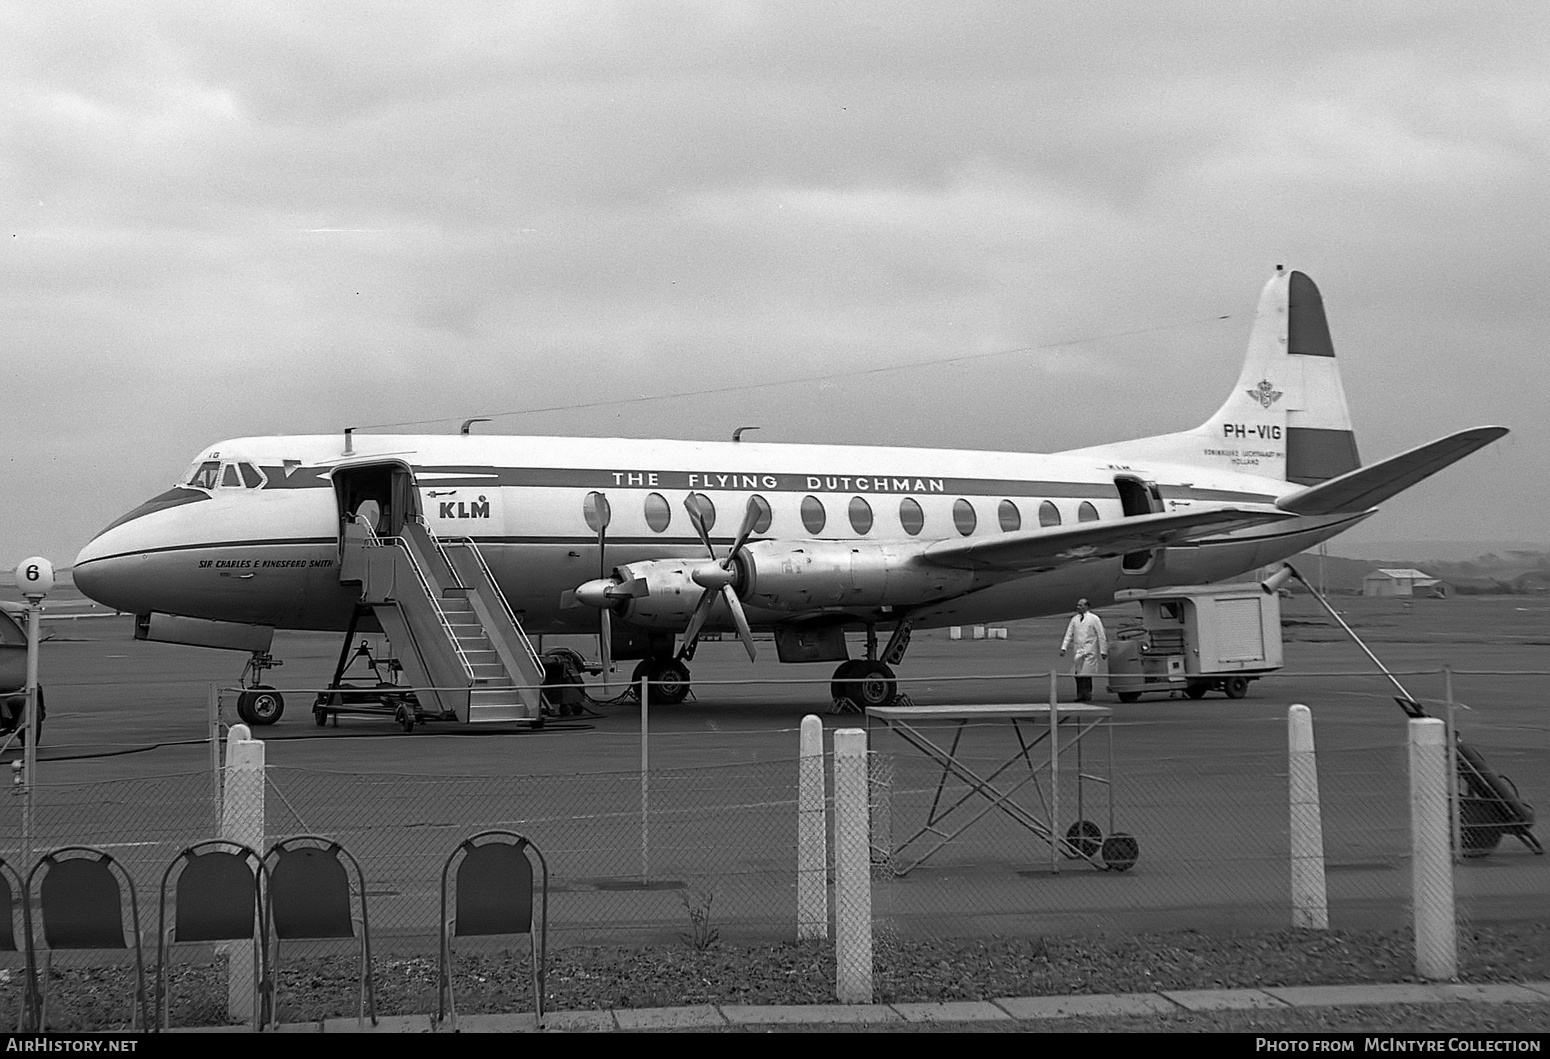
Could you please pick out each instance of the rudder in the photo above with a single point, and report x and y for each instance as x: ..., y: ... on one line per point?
x: 1287, y: 415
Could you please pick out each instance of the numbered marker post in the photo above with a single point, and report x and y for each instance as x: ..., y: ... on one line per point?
x: 35, y: 578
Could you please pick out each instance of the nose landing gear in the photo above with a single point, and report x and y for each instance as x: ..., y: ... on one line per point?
x: 259, y: 704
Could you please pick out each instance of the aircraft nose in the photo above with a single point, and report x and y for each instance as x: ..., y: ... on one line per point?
x: 115, y: 567
x: 101, y: 572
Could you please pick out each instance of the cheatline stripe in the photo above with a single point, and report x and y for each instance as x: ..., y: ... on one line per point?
x: 590, y: 540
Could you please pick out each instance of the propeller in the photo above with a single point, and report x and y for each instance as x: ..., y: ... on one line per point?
x: 598, y: 514
x: 717, y: 575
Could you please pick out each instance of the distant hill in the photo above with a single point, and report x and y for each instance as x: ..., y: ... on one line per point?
x: 1508, y: 570
x: 1434, y: 551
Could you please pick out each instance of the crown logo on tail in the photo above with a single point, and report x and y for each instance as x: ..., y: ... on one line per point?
x: 1264, y: 393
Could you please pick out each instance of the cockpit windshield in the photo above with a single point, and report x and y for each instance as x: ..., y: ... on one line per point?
x: 212, y: 474
x: 205, y: 475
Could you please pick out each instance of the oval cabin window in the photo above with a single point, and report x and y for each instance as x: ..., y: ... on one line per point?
x: 964, y: 517
x: 596, y: 512
x: 761, y: 522
x: 659, y: 514
x: 911, y: 517
x: 704, y: 508
x: 1011, y: 518
x: 1049, y: 514
x: 860, y: 515
x: 1087, y: 513
x: 813, y: 514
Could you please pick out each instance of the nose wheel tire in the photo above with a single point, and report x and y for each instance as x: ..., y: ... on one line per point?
x: 259, y: 705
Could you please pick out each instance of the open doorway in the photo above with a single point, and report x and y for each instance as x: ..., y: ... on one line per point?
x: 383, y: 492
x: 1137, y: 497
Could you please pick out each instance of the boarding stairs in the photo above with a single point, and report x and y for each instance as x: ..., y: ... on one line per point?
x: 460, y: 646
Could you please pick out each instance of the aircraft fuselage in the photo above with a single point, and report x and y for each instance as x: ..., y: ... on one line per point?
x: 256, y: 538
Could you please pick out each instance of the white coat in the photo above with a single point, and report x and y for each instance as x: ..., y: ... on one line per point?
x: 1085, y: 634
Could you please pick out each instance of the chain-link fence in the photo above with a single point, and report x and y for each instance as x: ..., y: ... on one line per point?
x: 693, y: 855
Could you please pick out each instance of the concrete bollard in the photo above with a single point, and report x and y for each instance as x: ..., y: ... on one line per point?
x: 812, y: 836
x: 1310, y: 905
x: 242, y: 820
x: 852, y: 869
x: 1431, y: 882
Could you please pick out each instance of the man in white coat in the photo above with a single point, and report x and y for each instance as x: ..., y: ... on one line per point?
x: 1084, y: 636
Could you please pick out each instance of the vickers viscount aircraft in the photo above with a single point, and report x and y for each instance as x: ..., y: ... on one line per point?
x: 619, y: 537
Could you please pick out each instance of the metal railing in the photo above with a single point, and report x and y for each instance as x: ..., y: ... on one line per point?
x: 403, y: 545
x: 500, y: 596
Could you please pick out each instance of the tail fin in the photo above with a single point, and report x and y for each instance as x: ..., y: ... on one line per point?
x: 1286, y: 417
x: 1289, y: 406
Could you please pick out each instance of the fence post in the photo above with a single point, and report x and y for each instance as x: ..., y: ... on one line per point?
x: 812, y: 842
x: 242, y: 820
x: 645, y: 780
x: 852, y: 869
x: 213, y: 717
x: 1431, y: 883
x: 1310, y: 905
x: 1054, y: 776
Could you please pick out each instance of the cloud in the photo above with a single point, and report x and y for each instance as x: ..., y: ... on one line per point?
x: 289, y: 217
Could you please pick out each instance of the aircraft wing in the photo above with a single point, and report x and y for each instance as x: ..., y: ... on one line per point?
x: 1364, y: 487
x: 1030, y: 551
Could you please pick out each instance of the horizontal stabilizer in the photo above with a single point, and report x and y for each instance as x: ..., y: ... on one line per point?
x: 1365, y: 487
x: 1030, y: 551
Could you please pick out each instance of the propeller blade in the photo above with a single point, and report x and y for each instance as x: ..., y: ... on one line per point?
x: 751, y: 516
x: 605, y: 633
x: 744, y: 633
x: 701, y: 612
x: 605, y: 644
x: 697, y: 520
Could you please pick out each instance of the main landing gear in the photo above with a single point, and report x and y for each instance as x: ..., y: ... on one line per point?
x: 868, y: 682
x: 669, y: 679
x: 865, y: 683
x: 259, y: 703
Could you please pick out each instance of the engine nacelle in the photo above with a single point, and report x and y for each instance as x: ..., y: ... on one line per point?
x: 785, y: 575
x: 670, y: 593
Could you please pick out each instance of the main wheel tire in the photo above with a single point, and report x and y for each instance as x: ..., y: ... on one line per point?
x: 1235, y: 687
x: 669, y: 682
x: 1120, y: 852
x: 874, y: 685
x: 260, y: 704
x: 1197, y: 690
x: 1083, y: 839
x: 842, y: 686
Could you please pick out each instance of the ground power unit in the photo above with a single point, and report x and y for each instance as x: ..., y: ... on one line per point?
x: 1196, y: 639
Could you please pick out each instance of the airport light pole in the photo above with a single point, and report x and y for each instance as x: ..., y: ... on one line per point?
x: 34, y: 576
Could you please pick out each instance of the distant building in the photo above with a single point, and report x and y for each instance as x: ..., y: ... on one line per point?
x: 1407, y: 582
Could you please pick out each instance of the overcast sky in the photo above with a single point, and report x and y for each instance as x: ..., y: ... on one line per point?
x: 269, y: 218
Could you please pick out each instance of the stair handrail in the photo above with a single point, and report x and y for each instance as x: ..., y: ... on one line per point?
x: 403, y: 546
x: 500, y: 596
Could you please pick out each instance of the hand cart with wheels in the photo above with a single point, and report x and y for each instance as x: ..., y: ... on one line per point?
x: 382, y: 695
